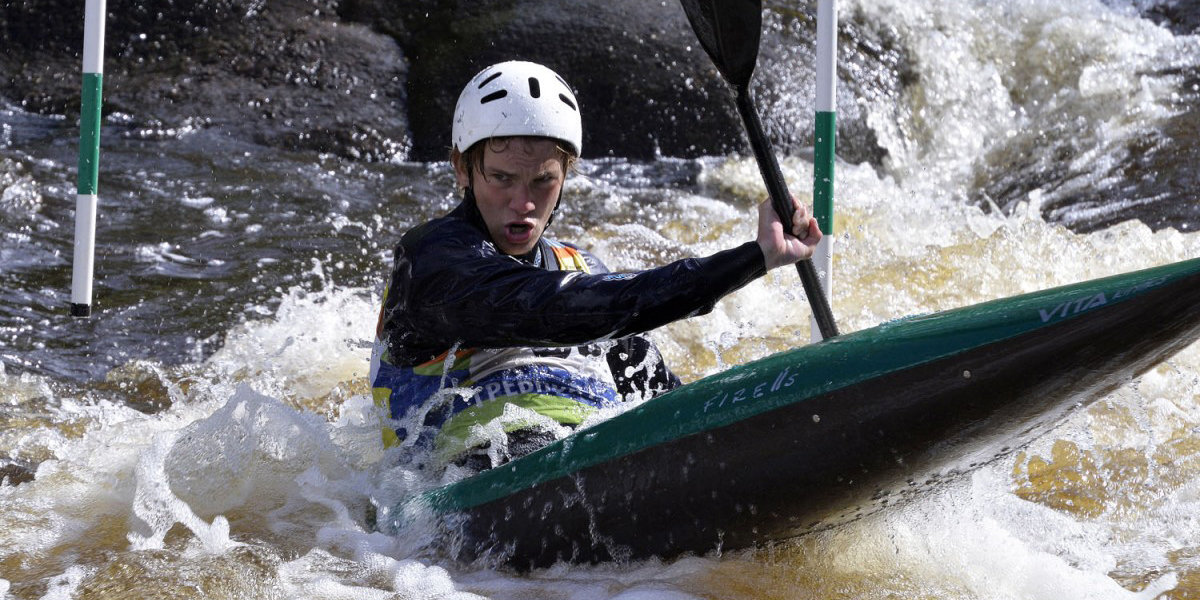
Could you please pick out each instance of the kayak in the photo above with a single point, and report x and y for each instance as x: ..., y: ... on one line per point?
x: 820, y: 435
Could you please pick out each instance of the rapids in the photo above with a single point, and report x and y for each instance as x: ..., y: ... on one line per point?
x: 208, y: 431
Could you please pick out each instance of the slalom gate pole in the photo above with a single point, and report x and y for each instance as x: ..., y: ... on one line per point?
x: 86, y: 198
x: 824, y: 143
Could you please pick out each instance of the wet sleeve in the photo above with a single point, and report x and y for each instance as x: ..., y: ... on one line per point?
x: 496, y: 301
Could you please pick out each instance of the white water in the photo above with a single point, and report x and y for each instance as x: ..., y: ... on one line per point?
x: 259, y: 475
x: 257, y: 480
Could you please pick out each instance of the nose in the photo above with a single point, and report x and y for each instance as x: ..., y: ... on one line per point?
x: 522, y: 199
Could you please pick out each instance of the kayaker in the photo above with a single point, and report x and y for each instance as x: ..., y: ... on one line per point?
x: 494, y: 339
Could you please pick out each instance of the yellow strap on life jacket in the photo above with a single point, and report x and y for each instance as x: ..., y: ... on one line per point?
x: 569, y: 259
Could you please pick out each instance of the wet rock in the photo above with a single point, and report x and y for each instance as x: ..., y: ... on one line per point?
x: 644, y: 84
x: 286, y: 73
x: 1182, y: 17
x: 15, y: 473
x: 377, y: 79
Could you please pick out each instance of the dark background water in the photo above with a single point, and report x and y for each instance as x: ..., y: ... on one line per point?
x: 203, y: 234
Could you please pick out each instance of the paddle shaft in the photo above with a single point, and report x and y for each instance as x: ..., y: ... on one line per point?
x: 781, y: 200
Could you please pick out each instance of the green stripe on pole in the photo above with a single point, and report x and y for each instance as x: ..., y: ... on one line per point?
x: 826, y: 132
x: 89, y: 134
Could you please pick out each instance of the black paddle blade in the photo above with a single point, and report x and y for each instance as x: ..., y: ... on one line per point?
x: 729, y: 30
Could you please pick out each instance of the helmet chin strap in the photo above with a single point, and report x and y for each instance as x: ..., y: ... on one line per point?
x: 550, y: 219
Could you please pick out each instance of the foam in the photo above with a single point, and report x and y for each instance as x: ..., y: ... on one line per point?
x: 313, y: 342
x: 271, y: 446
x: 985, y: 543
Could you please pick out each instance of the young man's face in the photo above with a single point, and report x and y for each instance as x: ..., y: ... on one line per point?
x: 517, y: 190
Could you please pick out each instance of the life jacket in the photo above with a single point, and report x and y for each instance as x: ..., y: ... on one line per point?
x: 442, y: 402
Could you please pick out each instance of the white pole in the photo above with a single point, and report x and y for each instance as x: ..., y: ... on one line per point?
x: 86, y: 198
x: 824, y: 144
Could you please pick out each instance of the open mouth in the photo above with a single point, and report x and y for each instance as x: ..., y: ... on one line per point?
x: 518, y: 234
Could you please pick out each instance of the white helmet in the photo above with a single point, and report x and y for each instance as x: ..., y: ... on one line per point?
x: 517, y: 98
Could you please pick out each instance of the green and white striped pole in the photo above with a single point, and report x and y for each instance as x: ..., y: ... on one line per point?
x: 824, y: 142
x: 86, y: 197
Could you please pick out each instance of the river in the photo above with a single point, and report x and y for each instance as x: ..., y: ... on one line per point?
x: 207, y: 433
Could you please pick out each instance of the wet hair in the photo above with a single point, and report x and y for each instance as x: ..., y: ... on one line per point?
x: 472, y: 159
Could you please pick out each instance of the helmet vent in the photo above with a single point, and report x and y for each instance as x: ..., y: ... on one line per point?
x: 567, y: 101
x: 535, y: 88
x: 490, y: 79
x: 493, y: 96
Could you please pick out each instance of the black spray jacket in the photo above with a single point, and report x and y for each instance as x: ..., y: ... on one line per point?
x: 450, y: 284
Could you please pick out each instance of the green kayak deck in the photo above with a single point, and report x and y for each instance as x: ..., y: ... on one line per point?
x: 821, y: 434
